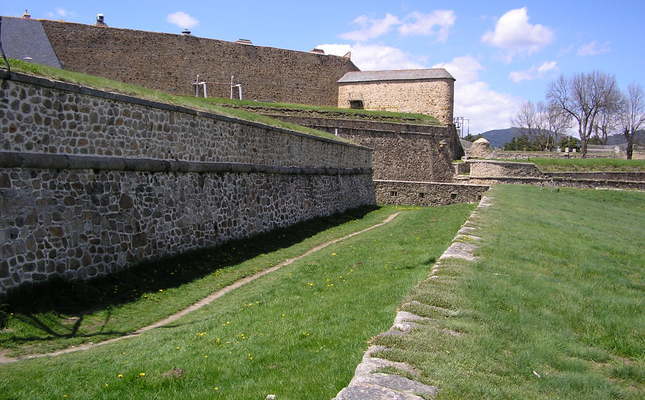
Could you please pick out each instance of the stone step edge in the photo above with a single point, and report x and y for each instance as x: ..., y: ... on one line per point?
x: 368, y: 383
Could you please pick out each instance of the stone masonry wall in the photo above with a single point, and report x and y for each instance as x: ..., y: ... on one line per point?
x: 489, y: 168
x: 434, y: 97
x: 401, y: 151
x: 427, y: 193
x: 171, y: 62
x: 92, y: 182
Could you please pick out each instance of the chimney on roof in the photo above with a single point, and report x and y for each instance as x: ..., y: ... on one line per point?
x: 100, y: 20
x: 244, y: 41
x: 317, y: 51
x: 186, y: 32
x: 26, y: 15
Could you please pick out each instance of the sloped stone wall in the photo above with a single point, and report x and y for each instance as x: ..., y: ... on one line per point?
x: 401, y: 151
x: 92, y: 182
x: 171, y: 63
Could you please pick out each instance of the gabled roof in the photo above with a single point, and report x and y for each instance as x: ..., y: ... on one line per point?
x: 23, y: 38
x: 396, y: 75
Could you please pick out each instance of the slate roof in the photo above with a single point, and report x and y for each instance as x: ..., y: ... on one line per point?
x: 396, y: 75
x: 26, y: 38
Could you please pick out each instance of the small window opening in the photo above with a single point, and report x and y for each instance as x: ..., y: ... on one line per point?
x: 422, y: 195
x: 356, y: 104
x: 453, y: 195
x: 393, y: 194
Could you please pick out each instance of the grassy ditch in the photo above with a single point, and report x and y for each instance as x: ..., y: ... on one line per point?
x: 586, y: 164
x: 208, y: 105
x: 297, y: 333
x: 61, y: 314
x: 554, y: 308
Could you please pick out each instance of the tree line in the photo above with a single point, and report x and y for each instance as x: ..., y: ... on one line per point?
x: 592, y: 103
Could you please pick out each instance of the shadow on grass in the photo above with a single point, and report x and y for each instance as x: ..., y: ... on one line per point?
x: 78, y: 298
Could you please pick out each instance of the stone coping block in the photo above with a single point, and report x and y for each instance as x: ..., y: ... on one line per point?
x: 66, y: 161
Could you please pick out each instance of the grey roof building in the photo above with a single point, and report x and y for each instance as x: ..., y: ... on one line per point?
x: 396, y: 75
x: 24, y: 38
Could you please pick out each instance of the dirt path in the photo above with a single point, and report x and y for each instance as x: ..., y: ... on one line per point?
x: 201, y: 303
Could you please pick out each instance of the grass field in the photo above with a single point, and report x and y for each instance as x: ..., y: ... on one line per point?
x: 347, y: 112
x: 297, y: 333
x: 587, y: 164
x: 553, y: 310
x: 62, y: 314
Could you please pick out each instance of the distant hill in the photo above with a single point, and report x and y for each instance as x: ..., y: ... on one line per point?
x: 620, y: 139
x: 499, y: 137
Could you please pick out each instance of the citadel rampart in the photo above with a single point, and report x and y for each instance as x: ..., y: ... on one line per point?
x: 92, y: 182
x: 424, y: 91
x: 170, y: 63
x: 402, y: 151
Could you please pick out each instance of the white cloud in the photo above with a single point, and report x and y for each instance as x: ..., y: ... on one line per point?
x: 373, y: 56
x: 514, y: 34
x: 182, y: 20
x: 465, y: 69
x: 534, y: 72
x: 436, y: 23
x: 594, y: 48
x: 475, y: 100
x: 61, y: 13
x: 371, y: 28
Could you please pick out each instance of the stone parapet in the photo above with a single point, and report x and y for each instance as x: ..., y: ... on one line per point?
x: 427, y: 193
x: 93, y: 182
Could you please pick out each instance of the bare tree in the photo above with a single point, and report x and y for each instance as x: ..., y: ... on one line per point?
x: 526, y: 118
x: 607, y: 121
x: 556, y: 123
x: 632, y: 115
x: 584, y: 96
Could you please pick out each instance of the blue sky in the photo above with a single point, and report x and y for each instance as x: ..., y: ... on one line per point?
x: 501, y: 52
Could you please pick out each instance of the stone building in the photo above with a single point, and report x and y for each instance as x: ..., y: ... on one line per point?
x: 425, y: 91
x: 171, y: 63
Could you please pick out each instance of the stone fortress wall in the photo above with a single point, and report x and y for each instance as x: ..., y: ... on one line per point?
x: 434, y: 97
x: 92, y: 182
x: 170, y: 63
x: 402, y: 151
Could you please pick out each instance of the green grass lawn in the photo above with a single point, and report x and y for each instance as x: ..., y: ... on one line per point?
x: 62, y: 314
x: 344, y: 112
x: 587, y: 164
x: 554, y: 309
x: 298, y: 333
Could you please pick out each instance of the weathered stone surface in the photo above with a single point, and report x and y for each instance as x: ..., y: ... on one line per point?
x: 434, y: 97
x: 398, y: 383
x: 124, y: 198
x: 406, y: 152
x: 169, y: 62
x: 460, y: 250
x: 490, y: 168
x: 368, y: 392
x: 405, y: 321
x: 480, y: 149
x: 191, y: 137
x: 426, y: 193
